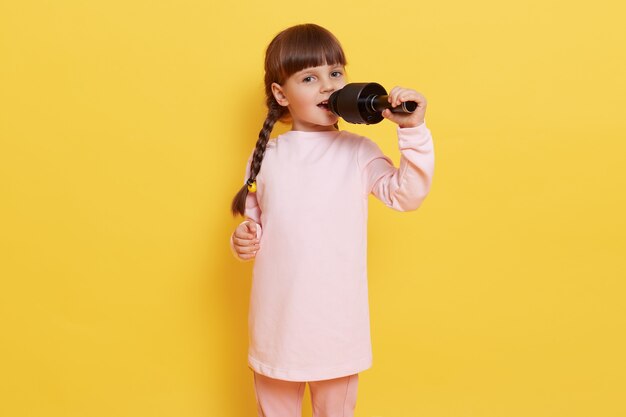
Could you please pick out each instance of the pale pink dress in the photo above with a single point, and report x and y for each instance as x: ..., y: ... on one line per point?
x: 309, y: 313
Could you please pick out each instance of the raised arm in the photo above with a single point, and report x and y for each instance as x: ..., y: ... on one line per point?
x: 406, y: 187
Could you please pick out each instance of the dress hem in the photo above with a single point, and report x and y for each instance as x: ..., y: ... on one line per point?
x: 302, y: 376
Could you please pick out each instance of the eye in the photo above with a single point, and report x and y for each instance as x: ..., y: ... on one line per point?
x: 339, y: 74
x: 307, y: 79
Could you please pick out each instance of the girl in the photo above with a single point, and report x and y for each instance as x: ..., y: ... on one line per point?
x: 305, y: 199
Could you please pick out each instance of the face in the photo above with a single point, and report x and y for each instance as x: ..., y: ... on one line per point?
x: 306, y: 93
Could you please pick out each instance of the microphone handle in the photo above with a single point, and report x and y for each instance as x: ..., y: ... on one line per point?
x: 380, y: 103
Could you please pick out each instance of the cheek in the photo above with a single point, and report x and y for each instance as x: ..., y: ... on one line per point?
x: 302, y: 101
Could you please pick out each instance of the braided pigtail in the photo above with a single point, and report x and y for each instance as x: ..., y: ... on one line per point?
x: 293, y: 49
x: 275, y: 113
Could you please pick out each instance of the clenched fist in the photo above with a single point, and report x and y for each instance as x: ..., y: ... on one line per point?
x: 245, y: 241
x: 399, y: 95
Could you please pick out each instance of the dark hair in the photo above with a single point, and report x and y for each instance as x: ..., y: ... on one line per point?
x: 294, y: 49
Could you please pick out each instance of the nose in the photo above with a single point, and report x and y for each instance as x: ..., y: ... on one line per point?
x: 329, y: 85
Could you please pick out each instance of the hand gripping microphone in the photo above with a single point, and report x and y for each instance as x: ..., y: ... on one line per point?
x: 363, y: 103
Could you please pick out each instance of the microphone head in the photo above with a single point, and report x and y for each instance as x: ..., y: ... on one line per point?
x: 351, y: 103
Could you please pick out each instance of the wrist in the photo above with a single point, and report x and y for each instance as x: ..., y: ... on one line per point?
x: 410, y: 125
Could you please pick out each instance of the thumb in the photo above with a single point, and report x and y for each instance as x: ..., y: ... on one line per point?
x: 388, y: 114
x: 251, y: 226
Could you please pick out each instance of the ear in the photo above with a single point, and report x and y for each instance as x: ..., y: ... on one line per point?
x: 279, y: 95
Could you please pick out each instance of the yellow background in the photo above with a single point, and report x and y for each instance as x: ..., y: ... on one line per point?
x: 125, y: 128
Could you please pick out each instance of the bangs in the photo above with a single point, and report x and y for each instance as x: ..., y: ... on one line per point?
x: 310, y: 46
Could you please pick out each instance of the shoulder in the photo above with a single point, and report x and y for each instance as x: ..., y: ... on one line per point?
x: 363, y: 144
x: 271, y: 143
x: 363, y: 147
x: 354, y: 140
x: 358, y: 139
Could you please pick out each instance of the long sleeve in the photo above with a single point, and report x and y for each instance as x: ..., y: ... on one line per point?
x: 406, y: 187
x: 252, y: 212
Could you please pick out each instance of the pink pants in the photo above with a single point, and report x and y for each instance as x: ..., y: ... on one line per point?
x: 329, y: 398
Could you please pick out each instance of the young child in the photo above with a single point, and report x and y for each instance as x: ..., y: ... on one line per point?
x: 305, y: 200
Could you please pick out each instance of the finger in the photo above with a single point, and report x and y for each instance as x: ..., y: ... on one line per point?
x: 247, y: 249
x: 406, y: 97
x: 241, y: 230
x: 244, y: 242
x: 419, y: 99
x: 388, y: 114
x: 408, y: 94
x: 397, y: 92
x: 250, y: 231
x: 392, y: 96
x: 244, y: 235
x: 251, y: 249
x: 421, y: 103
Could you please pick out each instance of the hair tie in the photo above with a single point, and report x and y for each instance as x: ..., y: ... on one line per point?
x: 251, y: 185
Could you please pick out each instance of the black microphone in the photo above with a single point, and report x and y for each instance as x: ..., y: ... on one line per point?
x: 363, y: 103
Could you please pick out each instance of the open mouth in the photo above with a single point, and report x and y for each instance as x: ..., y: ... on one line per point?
x: 323, y: 105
